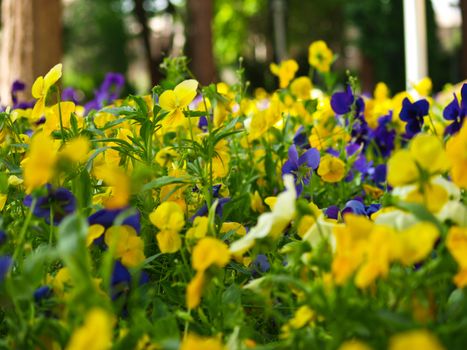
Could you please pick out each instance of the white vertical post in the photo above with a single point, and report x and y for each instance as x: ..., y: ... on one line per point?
x: 416, y: 61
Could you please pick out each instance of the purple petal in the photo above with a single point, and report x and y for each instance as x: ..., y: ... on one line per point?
x: 310, y: 158
x: 452, y: 110
x: 341, y: 102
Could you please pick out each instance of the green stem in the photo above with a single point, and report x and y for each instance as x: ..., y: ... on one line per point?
x: 22, y: 234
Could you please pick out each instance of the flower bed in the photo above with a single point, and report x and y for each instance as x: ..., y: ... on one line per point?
x: 202, y: 218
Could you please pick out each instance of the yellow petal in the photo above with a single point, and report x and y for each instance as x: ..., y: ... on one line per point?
x: 402, y: 169
x: 185, y: 92
x: 38, y: 110
x: 94, y: 231
x: 428, y: 151
x: 52, y: 76
x: 38, y: 87
x: 168, y: 101
x: 195, y: 290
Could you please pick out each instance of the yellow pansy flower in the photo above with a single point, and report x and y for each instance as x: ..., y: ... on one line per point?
x: 52, y: 120
x: 194, y: 342
x: 456, y: 150
x: 117, y: 179
x: 169, y: 219
x: 320, y: 56
x: 76, y: 149
x: 456, y: 243
x: 194, y: 290
x: 233, y: 226
x: 168, y: 216
x: 417, y: 242
x: 301, y: 88
x: 425, y: 152
x: 127, y: 245
x: 285, y: 71
x: 416, y: 339
x: 94, y: 231
x: 353, y: 345
x: 41, y: 87
x: 199, y: 228
x: 94, y: 334
x: 210, y: 251
x: 256, y: 202
x: 331, y: 169
x: 38, y: 167
x: 165, y: 156
x: 423, y: 87
x: 176, y: 100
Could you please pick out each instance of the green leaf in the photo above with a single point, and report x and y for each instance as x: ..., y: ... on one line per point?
x: 166, y: 180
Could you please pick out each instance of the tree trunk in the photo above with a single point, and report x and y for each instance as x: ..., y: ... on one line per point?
x: 31, y: 42
x: 199, y: 32
x: 463, y: 4
x: 152, y: 61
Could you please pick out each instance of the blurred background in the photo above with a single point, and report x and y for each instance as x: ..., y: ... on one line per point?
x: 132, y: 37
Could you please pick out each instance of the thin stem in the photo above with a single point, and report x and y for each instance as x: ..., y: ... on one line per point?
x: 22, y: 233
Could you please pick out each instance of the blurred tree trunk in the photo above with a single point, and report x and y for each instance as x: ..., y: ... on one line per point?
x: 199, y: 32
x: 463, y: 4
x: 152, y: 61
x: 31, y: 42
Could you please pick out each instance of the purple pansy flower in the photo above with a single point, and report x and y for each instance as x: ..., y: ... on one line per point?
x: 121, y: 280
x: 109, y: 90
x: 300, y: 138
x: 60, y: 201
x: 341, y: 102
x: 383, y: 137
x: 70, y: 94
x: 332, y: 212
x: 412, y: 114
x: 5, y: 264
x: 301, y: 167
x: 456, y: 112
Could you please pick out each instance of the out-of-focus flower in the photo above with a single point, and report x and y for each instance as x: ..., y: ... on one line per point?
x: 118, y: 180
x: 416, y: 339
x: 354, y: 345
x: 301, y: 88
x: 57, y: 203
x: 38, y: 167
x: 456, y: 112
x: 109, y: 90
x: 320, y: 56
x: 425, y: 152
x: 194, y: 342
x: 456, y: 151
x: 5, y: 264
x: 94, y: 334
x: 412, y: 114
x: 341, y: 102
x: 76, y: 149
x: 456, y: 242
x: 127, y: 245
x: 208, y: 252
x: 285, y: 71
x: 272, y: 223
x: 423, y: 87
